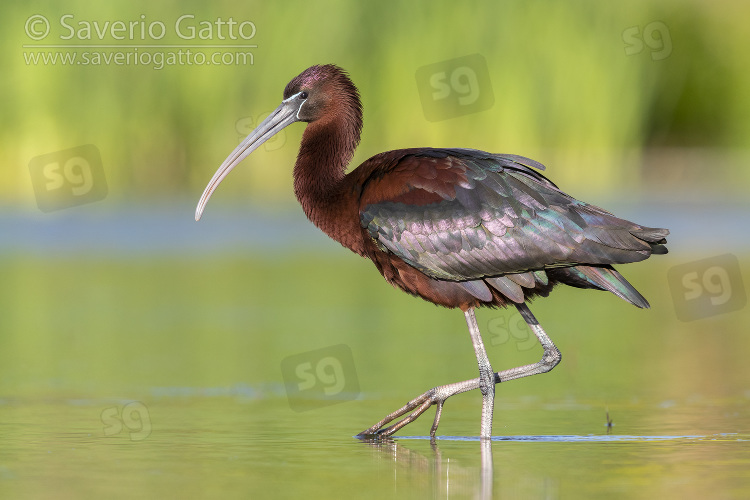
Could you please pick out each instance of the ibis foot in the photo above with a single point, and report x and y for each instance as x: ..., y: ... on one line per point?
x: 416, y: 407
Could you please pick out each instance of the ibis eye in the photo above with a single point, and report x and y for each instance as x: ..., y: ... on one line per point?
x: 303, y: 95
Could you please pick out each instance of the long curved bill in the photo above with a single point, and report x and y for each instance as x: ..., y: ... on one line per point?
x: 284, y: 115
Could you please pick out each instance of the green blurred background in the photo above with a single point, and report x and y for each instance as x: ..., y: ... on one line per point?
x: 566, y: 92
x: 639, y: 107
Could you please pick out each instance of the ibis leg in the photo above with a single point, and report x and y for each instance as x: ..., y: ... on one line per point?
x: 550, y: 358
x: 486, y: 375
x: 438, y: 395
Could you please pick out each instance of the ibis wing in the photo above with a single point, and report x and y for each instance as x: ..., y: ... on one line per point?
x: 464, y: 214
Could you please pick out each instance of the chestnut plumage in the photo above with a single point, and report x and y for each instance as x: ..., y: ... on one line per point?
x: 460, y: 228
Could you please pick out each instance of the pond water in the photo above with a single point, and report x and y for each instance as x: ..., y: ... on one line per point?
x: 232, y: 447
x: 148, y: 372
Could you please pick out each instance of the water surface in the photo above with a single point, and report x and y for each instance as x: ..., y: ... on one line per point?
x: 233, y: 372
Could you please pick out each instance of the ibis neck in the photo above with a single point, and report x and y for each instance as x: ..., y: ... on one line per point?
x: 319, y: 179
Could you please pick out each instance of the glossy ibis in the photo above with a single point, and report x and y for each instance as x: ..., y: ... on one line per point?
x: 457, y: 227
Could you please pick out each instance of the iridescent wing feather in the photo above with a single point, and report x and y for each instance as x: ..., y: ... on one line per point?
x: 464, y: 215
